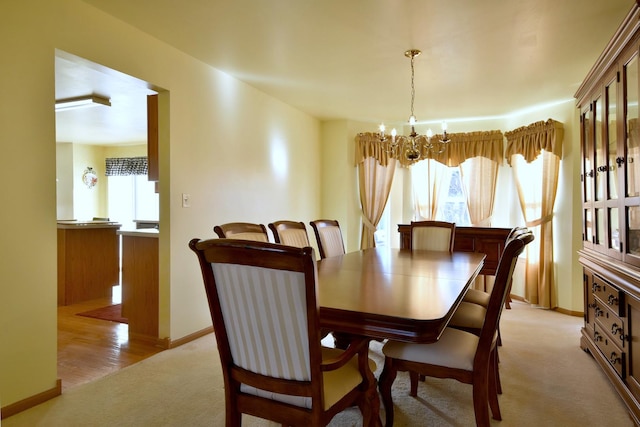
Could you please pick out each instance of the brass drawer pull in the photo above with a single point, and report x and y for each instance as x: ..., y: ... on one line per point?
x: 614, y: 358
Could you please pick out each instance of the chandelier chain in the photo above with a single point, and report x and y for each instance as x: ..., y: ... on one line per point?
x: 413, y: 88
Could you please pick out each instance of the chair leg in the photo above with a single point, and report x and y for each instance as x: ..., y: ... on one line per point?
x: 385, y: 382
x: 495, y: 361
x: 413, y: 377
x: 494, y: 387
x: 480, y: 399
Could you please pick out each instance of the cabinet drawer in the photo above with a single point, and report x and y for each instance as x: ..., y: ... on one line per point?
x: 609, y: 323
x: 608, y: 294
x: 610, y: 350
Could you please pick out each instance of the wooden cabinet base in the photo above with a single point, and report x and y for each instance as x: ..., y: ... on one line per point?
x: 88, y: 262
x: 589, y: 346
x: 140, y: 285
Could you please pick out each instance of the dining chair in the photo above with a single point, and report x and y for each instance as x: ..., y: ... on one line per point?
x: 262, y: 300
x: 290, y: 233
x: 242, y: 230
x: 458, y: 354
x: 470, y: 314
x: 329, y: 237
x: 480, y: 297
x: 433, y: 235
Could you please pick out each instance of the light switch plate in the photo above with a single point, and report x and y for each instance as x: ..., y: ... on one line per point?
x: 186, y: 200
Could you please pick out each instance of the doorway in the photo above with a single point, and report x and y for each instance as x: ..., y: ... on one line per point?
x: 89, y: 348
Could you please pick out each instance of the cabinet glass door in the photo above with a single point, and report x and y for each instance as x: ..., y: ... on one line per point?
x: 631, y: 121
x: 631, y: 160
x: 600, y: 159
x: 612, y: 141
x: 588, y: 232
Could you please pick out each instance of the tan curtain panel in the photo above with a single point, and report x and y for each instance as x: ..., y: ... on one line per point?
x: 375, y: 185
x: 530, y: 140
x: 534, y: 152
x: 463, y: 146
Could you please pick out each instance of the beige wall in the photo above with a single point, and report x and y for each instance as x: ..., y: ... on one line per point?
x: 241, y: 154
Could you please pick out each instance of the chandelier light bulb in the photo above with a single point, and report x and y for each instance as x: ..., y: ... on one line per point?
x: 412, y: 120
x: 382, y: 128
x: 444, y: 126
x: 429, y: 133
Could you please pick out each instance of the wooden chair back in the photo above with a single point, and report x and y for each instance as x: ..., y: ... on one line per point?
x: 433, y: 235
x: 242, y: 230
x: 329, y: 237
x: 263, y: 304
x: 290, y: 233
x: 518, y: 239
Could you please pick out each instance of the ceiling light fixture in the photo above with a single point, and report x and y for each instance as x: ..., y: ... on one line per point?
x: 82, y: 102
x: 413, y: 147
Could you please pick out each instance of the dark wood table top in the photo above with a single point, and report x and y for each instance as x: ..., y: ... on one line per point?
x: 394, y: 293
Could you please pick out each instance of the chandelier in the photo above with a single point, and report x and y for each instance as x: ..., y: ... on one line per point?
x: 413, y: 147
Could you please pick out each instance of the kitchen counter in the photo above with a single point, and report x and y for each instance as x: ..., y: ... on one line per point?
x: 87, y: 224
x: 143, y: 232
x: 88, y: 260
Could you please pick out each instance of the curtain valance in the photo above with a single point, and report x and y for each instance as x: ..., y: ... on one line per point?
x: 123, y: 166
x: 530, y: 140
x: 463, y: 146
x: 368, y: 145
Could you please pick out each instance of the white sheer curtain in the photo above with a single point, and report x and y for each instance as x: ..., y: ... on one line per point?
x: 428, y: 179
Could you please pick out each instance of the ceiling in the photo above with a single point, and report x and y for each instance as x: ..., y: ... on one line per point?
x: 337, y: 59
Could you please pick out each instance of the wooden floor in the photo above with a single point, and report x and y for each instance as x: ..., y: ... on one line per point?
x: 92, y: 348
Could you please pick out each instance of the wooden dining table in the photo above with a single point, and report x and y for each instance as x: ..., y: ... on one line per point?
x: 394, y: 293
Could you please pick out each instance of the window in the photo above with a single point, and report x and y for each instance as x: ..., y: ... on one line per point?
x: 132, y: 197
x: 435, y: 183
x: 382, y: 233
x: 453, y: 206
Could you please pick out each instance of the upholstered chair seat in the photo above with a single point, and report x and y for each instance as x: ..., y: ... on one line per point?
x: 337, y: 383
x: 469, y: 317
x: 455, y: 349
x: 477, y: 296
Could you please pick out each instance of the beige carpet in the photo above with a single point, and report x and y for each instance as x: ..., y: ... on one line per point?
x: 547, y: 381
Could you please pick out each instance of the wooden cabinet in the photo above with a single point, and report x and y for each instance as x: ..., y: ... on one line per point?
x: 140, y: 281
x: 88, y: 260
x: 610, y: 176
